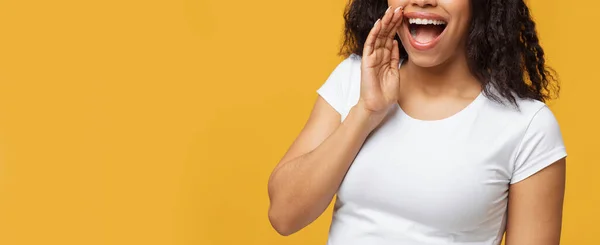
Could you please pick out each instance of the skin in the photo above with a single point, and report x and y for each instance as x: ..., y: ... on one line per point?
x: 431, y: 85
x: 437, y: 83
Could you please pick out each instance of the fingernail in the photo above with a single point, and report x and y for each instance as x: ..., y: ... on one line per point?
x: 397, y: 9
x: 388, y: 9
x: 376, y: 22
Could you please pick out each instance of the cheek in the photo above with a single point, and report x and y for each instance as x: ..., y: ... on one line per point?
x: 396, y: 3
x: 456, y: 3
x: 457, y: 8
x: 460, y: 12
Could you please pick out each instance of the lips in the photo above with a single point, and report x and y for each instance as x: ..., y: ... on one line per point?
x: 424, y: 30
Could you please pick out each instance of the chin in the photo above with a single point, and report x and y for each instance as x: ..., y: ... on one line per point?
x: 426, y: 59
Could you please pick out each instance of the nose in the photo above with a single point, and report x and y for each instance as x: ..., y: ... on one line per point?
x: 424, y: 3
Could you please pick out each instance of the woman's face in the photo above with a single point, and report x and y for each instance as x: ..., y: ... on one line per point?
x: 433, y: 31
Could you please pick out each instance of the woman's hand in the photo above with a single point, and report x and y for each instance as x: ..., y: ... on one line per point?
x: 380, y: 75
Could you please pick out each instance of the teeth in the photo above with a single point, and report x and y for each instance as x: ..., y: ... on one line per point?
x: 425, y: 21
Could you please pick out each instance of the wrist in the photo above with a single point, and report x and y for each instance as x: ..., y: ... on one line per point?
x: 366, y: 117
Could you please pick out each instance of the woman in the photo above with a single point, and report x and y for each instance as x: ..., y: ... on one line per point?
x: 440, y: 138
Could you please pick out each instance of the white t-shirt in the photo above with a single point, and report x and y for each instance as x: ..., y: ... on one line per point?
x: 446, y: 181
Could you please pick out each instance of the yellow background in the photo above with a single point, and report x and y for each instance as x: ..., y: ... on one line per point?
x: 158, y: 122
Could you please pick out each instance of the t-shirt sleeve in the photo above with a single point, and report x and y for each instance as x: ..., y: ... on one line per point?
x: 335, y: 89
x: 541, y: 146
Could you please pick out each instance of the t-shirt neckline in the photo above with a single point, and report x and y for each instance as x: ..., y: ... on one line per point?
x: 464, y: 110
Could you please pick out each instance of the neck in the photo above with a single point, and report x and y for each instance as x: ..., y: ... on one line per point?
x: 452, y: 78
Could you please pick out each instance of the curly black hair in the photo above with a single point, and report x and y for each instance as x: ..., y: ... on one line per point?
x: 503, y: 49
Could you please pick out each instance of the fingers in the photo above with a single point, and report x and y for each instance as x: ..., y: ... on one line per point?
x: 388, y: 27
x: 370, y: 42
x: 383, y: 31
x: 396, y: 22
x: 395, y: 62
x: 386, y: 19
x: 388, y: 39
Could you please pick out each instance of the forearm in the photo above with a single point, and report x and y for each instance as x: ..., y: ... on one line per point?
x: 302, y: 188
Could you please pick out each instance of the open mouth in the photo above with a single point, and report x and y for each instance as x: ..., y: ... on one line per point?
x: 425, y: 30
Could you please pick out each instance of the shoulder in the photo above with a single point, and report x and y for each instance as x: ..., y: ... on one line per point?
x: 349, y: 64
x: 541, y: 142
x: 354, y: 59
x: 345, y: 71
x: 529, y: 117
x: 530, y: 121
x: 540, y: 120
x: 538, y: 117
x: 530, y: 133
x: 525, y: 110
x: 339, y: 88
